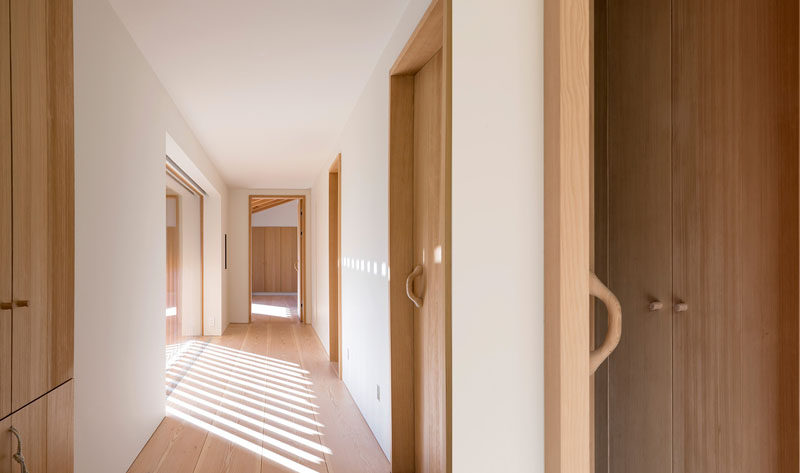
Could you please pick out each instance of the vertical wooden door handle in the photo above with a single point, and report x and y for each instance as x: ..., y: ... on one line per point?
x: 409, y: 291
x: 601, y: 353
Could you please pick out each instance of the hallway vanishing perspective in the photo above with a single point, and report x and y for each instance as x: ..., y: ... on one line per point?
x: 260, y: 398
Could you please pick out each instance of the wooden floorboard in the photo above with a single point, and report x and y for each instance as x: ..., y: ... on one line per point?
x: 261, y: 398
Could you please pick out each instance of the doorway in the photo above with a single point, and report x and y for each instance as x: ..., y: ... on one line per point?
x: 334, y: 263
x: 419, y: 246
x: 277, y: 256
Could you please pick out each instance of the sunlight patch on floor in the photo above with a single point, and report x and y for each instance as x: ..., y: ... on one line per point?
x: 261, y: 404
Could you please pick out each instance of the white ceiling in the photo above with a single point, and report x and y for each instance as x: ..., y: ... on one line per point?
x: 266, y: 85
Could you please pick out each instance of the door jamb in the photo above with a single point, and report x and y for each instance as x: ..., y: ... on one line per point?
x: 334, y: 264
x: 301, y: 230
x: 567, y: 230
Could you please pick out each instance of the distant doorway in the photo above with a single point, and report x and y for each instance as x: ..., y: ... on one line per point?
x: 277, y: 255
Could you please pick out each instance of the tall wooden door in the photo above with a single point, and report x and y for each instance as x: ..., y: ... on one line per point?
x: 735, y: 235
x: 5, y: 213
x: 633, y: 205
x: 42, y: 189
x: 429, y: 318
x: 272, y: 257
x: 288, y: 259
x: 257, y: 266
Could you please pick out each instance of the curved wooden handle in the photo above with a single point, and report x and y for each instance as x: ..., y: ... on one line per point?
x: 409, y: 291
x: 600, y: 291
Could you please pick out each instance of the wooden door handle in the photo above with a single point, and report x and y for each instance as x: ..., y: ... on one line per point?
x: 409, y: 291
x: 21, y: 303
x: 5, y: 306
x: 601, y: 353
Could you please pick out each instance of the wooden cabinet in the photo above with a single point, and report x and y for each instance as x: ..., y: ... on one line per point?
x: 274, y: 259
x: 696, y: 180
x: 45, y: 428
x: 36, y: 225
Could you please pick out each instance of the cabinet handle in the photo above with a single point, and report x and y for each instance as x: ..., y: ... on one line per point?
x: 5, y: 306
x: 655, y: 306
x: 18, y: 457
x: 410, y: 292
x: 614, y: 309
x: 21, y: 303
x: 681, y: 307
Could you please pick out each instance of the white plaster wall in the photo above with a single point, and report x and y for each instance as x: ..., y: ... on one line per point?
x: 122, y: 116
x: 238, y: 251
x: 498, y: 367
x: 281, y: 216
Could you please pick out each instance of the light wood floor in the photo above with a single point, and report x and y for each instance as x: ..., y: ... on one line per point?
x: 261, y: 398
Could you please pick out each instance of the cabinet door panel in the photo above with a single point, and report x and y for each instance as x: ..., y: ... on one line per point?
x: 257, y: 263
x: 42, y: 196
x: 60, y: 429
x: 29, y: 187
x: 5, y: 211
x: 31, y: 423
x: 272, y: 254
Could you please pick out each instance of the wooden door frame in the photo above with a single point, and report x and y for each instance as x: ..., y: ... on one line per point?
x: 334, y: 263
x: 301, y: 230
x: 431, y: 35
x: 179, y: 281
x: 567, y: 230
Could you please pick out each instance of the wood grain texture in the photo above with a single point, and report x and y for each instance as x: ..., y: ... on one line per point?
x: 426, y: 39
x: 5, y: 210
x: 428, y: 225
x: 31, y: 423
x: 638, y: 167
x: 29, y: 110
x: 60, y: 429
x: 173, y: 323
x: 272, y: 257
x: 401, y: 260
x: 288, y: 259
x: 567, y: 135
x: 257, y: 268
x: 735, y: 235
x: 334, y: 269
x: 7, y: 445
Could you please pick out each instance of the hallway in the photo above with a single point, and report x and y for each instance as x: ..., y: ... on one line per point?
x: 260, y: 398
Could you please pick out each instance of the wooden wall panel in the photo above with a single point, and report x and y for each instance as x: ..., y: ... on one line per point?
x: 173, y: 326
x: 288, y: 259
x: 6, y: 445
x: 257, y: 264
x: 272, y: 255
x: 60, y: 429
x: 5, y: 212
x: 735, y: 183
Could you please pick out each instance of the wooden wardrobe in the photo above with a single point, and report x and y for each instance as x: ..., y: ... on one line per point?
x: 274, y: 259
x: 696, y: 232
x: 36, y: 234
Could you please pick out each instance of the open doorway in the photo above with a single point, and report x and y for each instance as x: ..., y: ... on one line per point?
x: 277, y: 256
x: 184, y: 263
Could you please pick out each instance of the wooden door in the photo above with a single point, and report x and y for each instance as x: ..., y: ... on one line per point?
x: 173, y: 319
x: 272, y: 257
x: 46, y: 429
x: 633, y: 237
x: 288, y: 259
x: 429, y: 329
x: 735, y: 234
x: 42, y: 190
x: 257, y: 266
x: 5, y: 214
